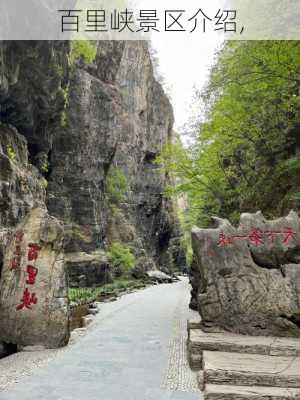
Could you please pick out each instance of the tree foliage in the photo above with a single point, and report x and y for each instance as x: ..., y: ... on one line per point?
x: 121, y: 258
x: 246, y: 156
x: 84, y: 49
x: 116, y: 186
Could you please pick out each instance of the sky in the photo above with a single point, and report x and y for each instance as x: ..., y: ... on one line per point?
x: 184, y: 63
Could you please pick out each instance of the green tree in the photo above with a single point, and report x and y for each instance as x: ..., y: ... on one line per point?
x: 246, y: 156
x: 121, y: 258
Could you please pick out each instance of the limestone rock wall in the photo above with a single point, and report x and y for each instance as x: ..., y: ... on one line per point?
x: 70, y: 124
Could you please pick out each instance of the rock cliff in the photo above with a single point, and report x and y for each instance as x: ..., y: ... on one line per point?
x: 69, y: 121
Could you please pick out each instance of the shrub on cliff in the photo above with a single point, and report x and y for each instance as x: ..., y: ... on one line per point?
x: 121, y: 258
x: 116, y: 186
x: 84, y: 49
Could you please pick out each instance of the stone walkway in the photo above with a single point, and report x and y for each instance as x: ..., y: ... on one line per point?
x: 134, y: 350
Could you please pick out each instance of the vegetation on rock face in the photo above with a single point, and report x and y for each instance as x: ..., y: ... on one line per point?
x: 84, y: 49
x: 116, y: 186
x: 246, y: 156
x: 63, y: 116
x: 121, y: 258
x: 11, y: 153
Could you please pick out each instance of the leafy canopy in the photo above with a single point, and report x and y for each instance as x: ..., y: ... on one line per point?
x: 246, y: 156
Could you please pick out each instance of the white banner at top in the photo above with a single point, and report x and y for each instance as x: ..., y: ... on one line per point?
x: 143, y: 19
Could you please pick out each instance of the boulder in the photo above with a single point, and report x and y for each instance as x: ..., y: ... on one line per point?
x: 34, y: 307
x: 142, y: 266
x: 247, y: 279
x: 159, y: 276
x: 88, y: 270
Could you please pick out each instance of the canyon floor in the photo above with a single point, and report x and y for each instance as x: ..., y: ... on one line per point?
x: 134, y: 349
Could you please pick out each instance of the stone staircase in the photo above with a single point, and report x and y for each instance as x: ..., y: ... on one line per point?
x: 238, y: 367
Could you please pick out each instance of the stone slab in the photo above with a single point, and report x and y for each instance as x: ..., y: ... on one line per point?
x: 220, y: 392
x: 195, y: 361
x: 200, y: 341
x: 194, y: 323
x: 251, y: 370
x: 200, y: 380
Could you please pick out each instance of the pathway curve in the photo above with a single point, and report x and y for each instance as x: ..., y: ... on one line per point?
x: 135, y: 350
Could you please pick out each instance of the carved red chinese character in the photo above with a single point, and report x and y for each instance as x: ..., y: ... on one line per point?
x: 289, y: 235
x: 33, y: 251
x: 255, y: 236
x: 27, y: 300
x: 32, y: 273
x: 19, y: 237
x: 18, y: 250
x: 271, y: 235
x: 224, y: 241
x: 239, y: 237
x: 15, y: 262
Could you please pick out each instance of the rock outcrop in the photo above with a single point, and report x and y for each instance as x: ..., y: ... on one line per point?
x: 66, y: 124
x: 34, y: 306
x: 88, y: 270
x: 247, y: 278
x: 117, y: 117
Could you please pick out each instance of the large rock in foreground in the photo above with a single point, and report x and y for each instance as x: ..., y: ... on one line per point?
x: 34, y: 306
x: 248, y: 279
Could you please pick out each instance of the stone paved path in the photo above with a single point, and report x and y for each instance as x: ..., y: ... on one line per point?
x: 135, y: 350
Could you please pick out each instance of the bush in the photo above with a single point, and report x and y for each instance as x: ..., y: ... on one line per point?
x: 121, y: 258
x: 116, y: 186
x: 84, y: 49
x: 88, y: 295
x: 11, y: 153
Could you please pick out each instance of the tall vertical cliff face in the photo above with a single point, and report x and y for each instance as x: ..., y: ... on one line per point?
x: 79, y: 122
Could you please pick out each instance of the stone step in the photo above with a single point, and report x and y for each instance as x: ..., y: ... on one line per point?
x: 250, y: 370
x: 193, y: 323
x: 220, y: 392
x: 200, y: 341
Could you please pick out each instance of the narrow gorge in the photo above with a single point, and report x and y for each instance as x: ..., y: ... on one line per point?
x: 81, y: 126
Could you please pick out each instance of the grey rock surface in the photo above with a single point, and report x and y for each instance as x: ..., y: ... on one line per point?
x: 160, y: 276
x: 223, y: 392
x: 248, y: 278
x: 200, y: 341
x: 88, y: 269
x: 21, y: 186
x: 33, y: 289
x: 74, y: 124
x: 251, y: 370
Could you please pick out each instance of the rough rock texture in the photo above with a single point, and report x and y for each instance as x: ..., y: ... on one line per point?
x: 250, y: 370
x: 223, y: 392
x: 33, y: 290
x: 117, y: 116
x: 160, y: 277
x: 88, y: 270
x: 21, y: 186
x: 78, y: 122
x: 200, y: 341
x: 248, y: 278
x: 194, y: 282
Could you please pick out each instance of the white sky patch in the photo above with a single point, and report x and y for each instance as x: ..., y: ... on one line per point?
x: 185, y: 63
